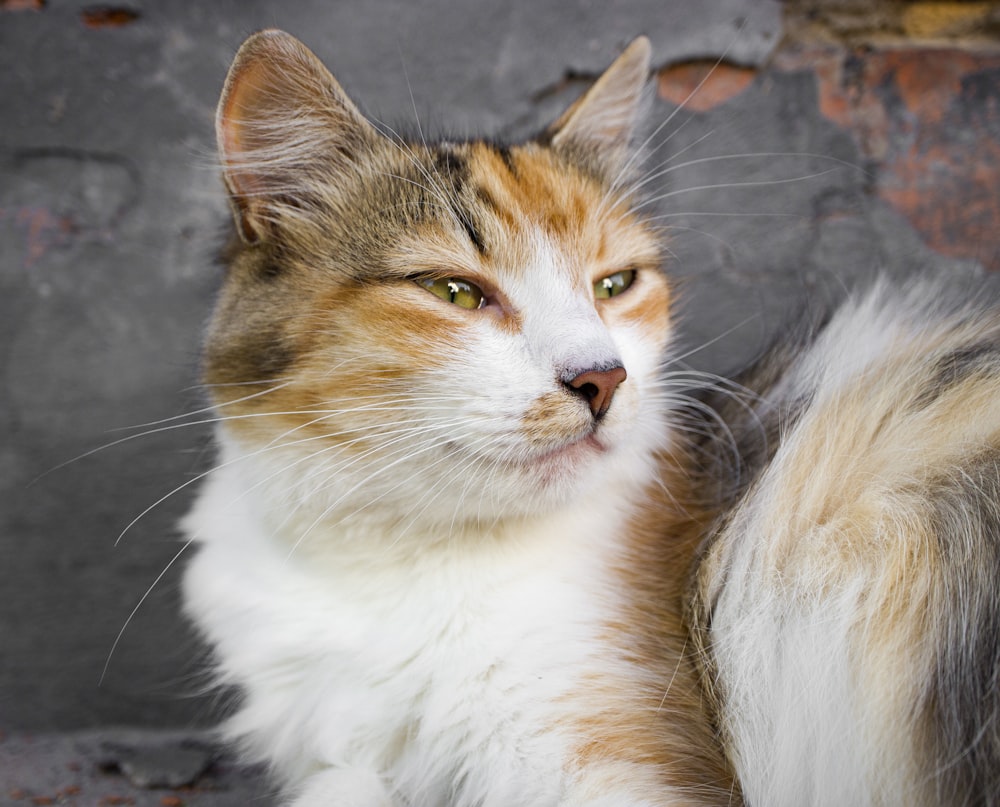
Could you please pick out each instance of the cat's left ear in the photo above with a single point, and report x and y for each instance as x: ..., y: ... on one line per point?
x: 600, y: 124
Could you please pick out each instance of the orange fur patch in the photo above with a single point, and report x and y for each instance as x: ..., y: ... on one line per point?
x: 665, y: 720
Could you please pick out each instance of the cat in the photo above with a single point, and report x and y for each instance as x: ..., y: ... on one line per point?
x: 431, y: 555
x: 468, y: 543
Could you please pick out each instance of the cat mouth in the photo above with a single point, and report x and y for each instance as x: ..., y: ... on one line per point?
x: 574, y: 451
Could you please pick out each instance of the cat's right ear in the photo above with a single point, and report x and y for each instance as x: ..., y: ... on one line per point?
x: 281, y: 119
x: 602, y: 122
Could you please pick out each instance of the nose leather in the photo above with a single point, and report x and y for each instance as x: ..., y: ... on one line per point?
x: 597, y: 387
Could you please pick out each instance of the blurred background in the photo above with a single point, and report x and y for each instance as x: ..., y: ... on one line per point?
x: 804, y: 146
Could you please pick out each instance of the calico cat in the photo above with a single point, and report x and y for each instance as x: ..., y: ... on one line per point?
x: 466, y: 544
x: 432, y: 555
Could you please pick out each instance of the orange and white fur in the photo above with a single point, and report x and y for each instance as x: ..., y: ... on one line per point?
x: 462, y: 548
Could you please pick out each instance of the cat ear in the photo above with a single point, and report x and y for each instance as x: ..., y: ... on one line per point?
x: 601, y: 123
x: 281, y: 116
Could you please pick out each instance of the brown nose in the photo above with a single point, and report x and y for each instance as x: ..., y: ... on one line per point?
x: 598, y: 387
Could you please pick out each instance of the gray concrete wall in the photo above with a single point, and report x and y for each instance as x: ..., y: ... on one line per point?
x: 110, y: 210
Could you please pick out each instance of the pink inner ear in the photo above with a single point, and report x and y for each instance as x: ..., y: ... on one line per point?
x: 244, y: 103
x: 241, y: 102
x: 281, y: 110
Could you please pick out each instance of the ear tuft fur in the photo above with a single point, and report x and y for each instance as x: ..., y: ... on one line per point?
x: 281, y: 114
x: 601, y: 123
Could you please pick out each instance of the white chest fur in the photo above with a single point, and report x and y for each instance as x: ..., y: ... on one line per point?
x: 450, y: 674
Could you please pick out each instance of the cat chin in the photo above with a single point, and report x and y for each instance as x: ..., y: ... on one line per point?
x: 562, y: 471
x: 444, y: 489
x: 568, y: 455
x: 572, y: 475
x: 416, y: 505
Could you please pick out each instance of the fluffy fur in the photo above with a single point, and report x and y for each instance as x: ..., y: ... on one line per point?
x: 413, y: 557
x: 466, y: 545
x: 849, y: 601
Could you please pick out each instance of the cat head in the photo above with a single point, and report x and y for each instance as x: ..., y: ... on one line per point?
x: 432, y: 332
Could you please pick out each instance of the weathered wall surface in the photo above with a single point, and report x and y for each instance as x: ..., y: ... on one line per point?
x: 110, y: 210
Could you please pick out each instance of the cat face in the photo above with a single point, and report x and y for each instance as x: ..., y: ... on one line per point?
x: 437, y: 333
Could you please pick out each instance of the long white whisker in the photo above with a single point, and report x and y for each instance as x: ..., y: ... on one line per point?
x: 441, y: 485
x: 645, y: 143
x: 149, y: 432
x: 730, y: 157
x: 698, y: 348
x: 204, y: 409
x: 138, y: 605
x: 755, y: 183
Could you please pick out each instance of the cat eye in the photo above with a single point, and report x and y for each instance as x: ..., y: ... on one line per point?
x: 452, y: 290
x: 613, y: 285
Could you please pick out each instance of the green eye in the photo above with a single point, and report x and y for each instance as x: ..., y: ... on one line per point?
x: 613, y: 285
x: 452, y: 290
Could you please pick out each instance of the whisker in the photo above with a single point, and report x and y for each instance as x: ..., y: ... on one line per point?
x: 209, y: 408
x: 755, y: 183
x: 457, y: 472
x: 278, y: 442
x: 147, y: 433
x: 698, y: 348
x: 658, y: 174
x: 666, y: 122
x: 138, y: 605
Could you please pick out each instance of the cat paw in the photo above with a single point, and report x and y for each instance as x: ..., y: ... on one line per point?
x: 343, y: 787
